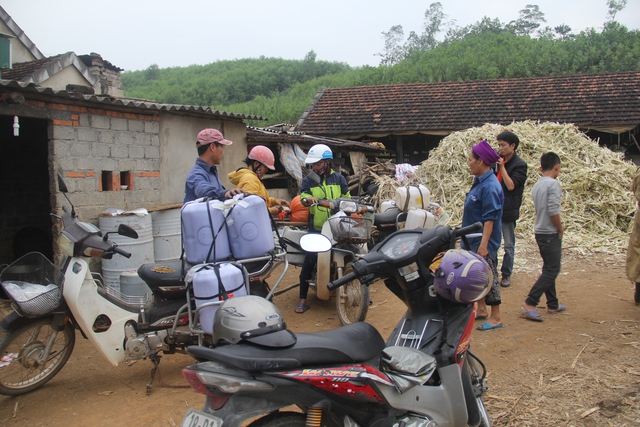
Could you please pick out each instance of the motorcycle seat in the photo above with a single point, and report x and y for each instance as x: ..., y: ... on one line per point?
x: 389, y: 216
x: 358, y: 342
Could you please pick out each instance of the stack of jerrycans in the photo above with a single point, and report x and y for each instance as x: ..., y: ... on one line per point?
x: 205, y: 241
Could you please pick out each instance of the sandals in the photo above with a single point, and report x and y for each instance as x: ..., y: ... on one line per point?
x: 560, y: 308
x: 531, y: 315
x: 301, y: 308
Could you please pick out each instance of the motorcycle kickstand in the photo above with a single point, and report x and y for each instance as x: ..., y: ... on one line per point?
x: 155, y: 359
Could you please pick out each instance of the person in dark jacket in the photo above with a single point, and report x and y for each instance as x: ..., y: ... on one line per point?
x: 511, y: 171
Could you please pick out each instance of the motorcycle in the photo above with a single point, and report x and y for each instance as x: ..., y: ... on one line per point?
x: 349, y: 229
x: 425, y: 375
x: 39, y: 335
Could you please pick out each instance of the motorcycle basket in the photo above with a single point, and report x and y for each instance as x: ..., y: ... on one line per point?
x: 34, y: 285
x: 352, y: 229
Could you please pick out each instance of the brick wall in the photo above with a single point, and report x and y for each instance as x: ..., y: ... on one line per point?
x: 98, y: 151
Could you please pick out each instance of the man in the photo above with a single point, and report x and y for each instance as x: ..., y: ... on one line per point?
x: 332, y: 186
x: 203, y: 180
x: 511, y: 171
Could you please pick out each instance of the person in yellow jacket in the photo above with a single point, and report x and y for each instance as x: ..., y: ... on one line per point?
x: 249, y: 179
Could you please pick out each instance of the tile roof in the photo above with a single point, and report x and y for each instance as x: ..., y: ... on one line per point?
x: 41, y: 70
x: 20, y: 70
x: 106, y: 101
x: 586, y: 100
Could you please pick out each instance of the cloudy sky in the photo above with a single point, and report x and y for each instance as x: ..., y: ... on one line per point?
x: 133, y: 34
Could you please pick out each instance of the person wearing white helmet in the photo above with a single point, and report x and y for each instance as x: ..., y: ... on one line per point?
x: 249, y: 179
x: 333, y: 186
x: 203, y: 180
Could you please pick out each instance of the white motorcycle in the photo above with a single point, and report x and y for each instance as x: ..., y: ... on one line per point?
x: 50, y: 302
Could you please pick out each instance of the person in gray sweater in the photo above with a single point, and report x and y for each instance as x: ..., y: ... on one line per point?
x: 547, y: 198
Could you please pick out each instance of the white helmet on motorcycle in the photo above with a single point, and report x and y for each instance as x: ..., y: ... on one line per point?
x: 251, y: 318
x: 318, y: 152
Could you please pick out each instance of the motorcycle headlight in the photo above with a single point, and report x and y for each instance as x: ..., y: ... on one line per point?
x: 348, y: 206
x: 65, y: 244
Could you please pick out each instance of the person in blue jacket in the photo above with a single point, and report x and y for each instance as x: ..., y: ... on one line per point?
x: 484, y: 204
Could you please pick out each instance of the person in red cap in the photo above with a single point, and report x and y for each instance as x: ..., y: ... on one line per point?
x: 249, y: 179
x: 484, y: 204
x: 203, y: 180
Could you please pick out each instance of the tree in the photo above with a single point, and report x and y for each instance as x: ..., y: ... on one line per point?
x: 153, y: 72
x: 615, y: 6
x: 530, y: 20
x: 393, y: 52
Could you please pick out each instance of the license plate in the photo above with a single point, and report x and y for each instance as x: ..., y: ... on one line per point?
x: 195, y: 418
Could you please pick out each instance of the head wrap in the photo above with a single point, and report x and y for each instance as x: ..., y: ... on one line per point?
x: 485, y: 152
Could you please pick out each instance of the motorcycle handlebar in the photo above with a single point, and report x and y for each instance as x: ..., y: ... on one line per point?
x: 467, y: 230
x: 121, y: 252
x: 342, y: 281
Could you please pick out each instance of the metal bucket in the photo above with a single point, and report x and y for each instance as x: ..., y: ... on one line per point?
x: 141, y: 249
x: 166, y: 234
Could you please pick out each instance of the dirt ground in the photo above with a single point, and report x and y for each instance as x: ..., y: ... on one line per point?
x: 577, y: 368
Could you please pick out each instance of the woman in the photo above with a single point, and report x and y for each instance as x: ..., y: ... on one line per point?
x: 484, y: 204
x: 249, y: 179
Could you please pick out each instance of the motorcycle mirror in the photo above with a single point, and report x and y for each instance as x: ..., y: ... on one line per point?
x: 62, y: 186
x: 314, y: 242
x: 127, y: 231
x: 315, y: 178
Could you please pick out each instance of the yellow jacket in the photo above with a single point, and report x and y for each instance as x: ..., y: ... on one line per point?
x: 248, y: 181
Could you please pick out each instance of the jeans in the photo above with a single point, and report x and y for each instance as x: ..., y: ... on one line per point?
x: 550, y: 247
x: 509, y: 236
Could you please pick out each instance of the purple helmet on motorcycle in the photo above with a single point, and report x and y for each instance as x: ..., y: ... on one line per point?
x: 463, y: 276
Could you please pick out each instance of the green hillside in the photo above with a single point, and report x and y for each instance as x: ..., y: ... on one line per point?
x: 282, y: 89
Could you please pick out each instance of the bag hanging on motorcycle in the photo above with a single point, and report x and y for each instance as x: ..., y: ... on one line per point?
x: 204, y: 234
x: 249, y: 225
x: 207, y: 289
x: 412, y: 197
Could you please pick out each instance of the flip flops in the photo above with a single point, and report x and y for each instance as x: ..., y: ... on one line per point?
x: 560, y: 309
x: 301, y: 308
x: 486, y: 326
x: 531, y: 315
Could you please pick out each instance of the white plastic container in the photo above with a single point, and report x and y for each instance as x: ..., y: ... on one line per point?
x: 419, y: 218
x: 249, y: 227
x: 197, y: 235
x: 294, y: 256
x: 206, y: 289
x: 387, y: 204
x: 412, y: 197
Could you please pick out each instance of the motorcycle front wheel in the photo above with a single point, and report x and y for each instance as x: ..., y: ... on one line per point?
x: 20, y: 349
x: 352, y: 301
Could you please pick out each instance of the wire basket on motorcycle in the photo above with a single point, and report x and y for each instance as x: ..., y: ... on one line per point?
x: 355, y: 229
x: 34, y: 285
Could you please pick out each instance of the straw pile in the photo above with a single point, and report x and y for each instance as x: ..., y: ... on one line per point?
x: 597, y: 204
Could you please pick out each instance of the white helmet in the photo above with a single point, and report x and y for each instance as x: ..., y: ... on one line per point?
x: 318, y: 152
x: 251, y: 318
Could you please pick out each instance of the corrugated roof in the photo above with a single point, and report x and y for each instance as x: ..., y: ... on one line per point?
x: 123, y: 102
x: 257, y: 135
x: 586, y: 100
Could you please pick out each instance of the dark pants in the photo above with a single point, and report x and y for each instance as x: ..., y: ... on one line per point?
x: 310, y: 261
x: 551, y: 252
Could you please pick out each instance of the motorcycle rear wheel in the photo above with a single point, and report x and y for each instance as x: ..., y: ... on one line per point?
x: 281, y: 419
x: 21, y: 348
x: 352, y: 301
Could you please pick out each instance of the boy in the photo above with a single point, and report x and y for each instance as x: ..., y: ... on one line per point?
x: 547, y: 197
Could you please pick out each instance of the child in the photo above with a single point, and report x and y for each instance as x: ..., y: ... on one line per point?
x: 547, y: 197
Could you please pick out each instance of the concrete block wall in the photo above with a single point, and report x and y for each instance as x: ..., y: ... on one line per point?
x: 98, y: 151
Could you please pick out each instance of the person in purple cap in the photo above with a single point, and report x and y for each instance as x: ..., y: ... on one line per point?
x: 484, y: 204
x: 203, y: 180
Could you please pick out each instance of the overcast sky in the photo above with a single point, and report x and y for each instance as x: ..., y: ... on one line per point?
x: 133, y: 34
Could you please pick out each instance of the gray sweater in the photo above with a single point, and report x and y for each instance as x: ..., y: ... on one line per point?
x: 547, y: 197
